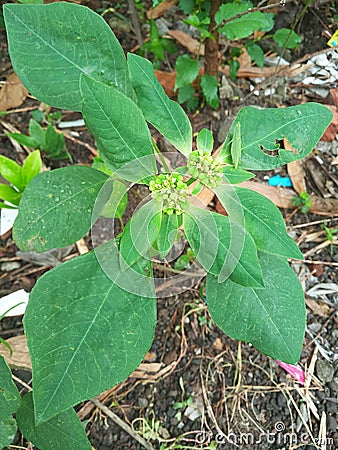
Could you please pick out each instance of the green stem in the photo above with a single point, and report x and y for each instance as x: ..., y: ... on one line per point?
x: 158, y: 151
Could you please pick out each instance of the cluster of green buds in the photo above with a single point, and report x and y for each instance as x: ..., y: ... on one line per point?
x: 170, y: 189
x: 203, y: 167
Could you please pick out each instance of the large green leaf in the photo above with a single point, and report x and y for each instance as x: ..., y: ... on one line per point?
x: 52, y: 45
x: 165, y: 114
x: 120, y: 130
x: 140, y: 233
x: 222, y: 247
x: 272, y: 318
x: 261, y: 129
x: 84, y: 333
x: 261, y: 218
x: 64, y: 431
x: 186, y: 71
x: 56, y: 208
x: 9, y: 403
x: 8, y: 430
x: 9, y: 394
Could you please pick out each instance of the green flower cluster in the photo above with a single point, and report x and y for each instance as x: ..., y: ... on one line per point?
x: 170, y: 189
x: 203, y: 167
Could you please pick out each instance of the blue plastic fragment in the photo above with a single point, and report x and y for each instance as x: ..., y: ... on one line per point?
x: 279, y: 181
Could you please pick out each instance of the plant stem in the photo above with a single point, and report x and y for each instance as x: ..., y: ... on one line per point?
x: 211, y: 45
x: 158, y: 151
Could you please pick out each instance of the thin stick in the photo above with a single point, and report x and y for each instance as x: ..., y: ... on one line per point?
x: 115, y: 418
x: 135, y: 22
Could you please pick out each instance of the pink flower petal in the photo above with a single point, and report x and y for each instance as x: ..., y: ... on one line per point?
x: 295, y: 371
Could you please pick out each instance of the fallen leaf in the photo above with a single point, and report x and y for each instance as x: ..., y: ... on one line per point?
x: 187, y: 41
x: 20, y: 358
x: 159, y: 10
x: 13, y: 93
x: 319, y: 308
x: 295, y: 171
x: 332, y: 129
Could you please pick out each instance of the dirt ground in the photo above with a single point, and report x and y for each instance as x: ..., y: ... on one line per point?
x: 197, y: 388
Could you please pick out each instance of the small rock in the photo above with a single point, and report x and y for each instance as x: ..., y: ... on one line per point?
x: 335, y: 332
x: 324, y: 370
x: 218, y: 344
x: 8, y: 266
x: 315, y: 327
x: 143, y: 402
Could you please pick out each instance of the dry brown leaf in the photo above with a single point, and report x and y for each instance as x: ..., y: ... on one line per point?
x: 187, y: 41
x: 159, y: 10
x: 13, y: 93
x: 332, y: 129
x: 295, y: 171
x: 20, y: 358
x: 167, y: 80
x: 319, y: 308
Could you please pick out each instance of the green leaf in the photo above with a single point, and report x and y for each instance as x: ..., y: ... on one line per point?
x: 261, y: 218
x: 9, y: 194
x: 11, y: 171
x: 8, y: 430
x: 9, y: 394
x: 222, y: 247
x: 164, y: 114
x: 186, y: 95
x: 241, y: 27
x: 52, y: 45
x: 233, y: 68
x: 186, y: 71
x: 118, y: 201
x: 272, y: 318
x: 235, y: 176
x: 56, y: 208
x: 286, y: 38
x: 140, y: 233
x: 205, y: 140
x: 37, y: 133
x: 228, y: 10
x: 167, y: 234
x: 64, y: 431
x: 55, y: 142
x: 256, y: 53
x: 68, y: 310
x: 120, y: 130
x: 301, y: 125
x: 23, y: 139
x: 209, y: 87
x: 31, y: 167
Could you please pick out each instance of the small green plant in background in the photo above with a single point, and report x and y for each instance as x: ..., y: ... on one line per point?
x: 157, y: 45
x: 90, y: 321
x: 302, y: 202
x: 18, y: 178
x: 49, y: 140
x: 330, y: 233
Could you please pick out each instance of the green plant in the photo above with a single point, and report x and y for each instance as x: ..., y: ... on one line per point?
x: 90, y: 321
x: 303, y: 202
x: 237, y: 20
x: 18, y: 177
x: 48, y: 140
x: 330, y: 232
x: 157, y: 45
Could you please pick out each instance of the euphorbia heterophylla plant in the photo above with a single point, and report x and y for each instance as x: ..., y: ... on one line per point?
x: 91, y: 320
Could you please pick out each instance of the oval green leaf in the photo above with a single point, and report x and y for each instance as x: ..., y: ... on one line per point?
x: 271, y: 318
x: 52, y: 45
x: 56, y: 208
x: 85, y: 334
x: 261, y: 218
x: 302, y: 125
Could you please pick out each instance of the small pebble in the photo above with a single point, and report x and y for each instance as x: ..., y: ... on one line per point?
x: 8, y: 266
x: 324, y: 370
